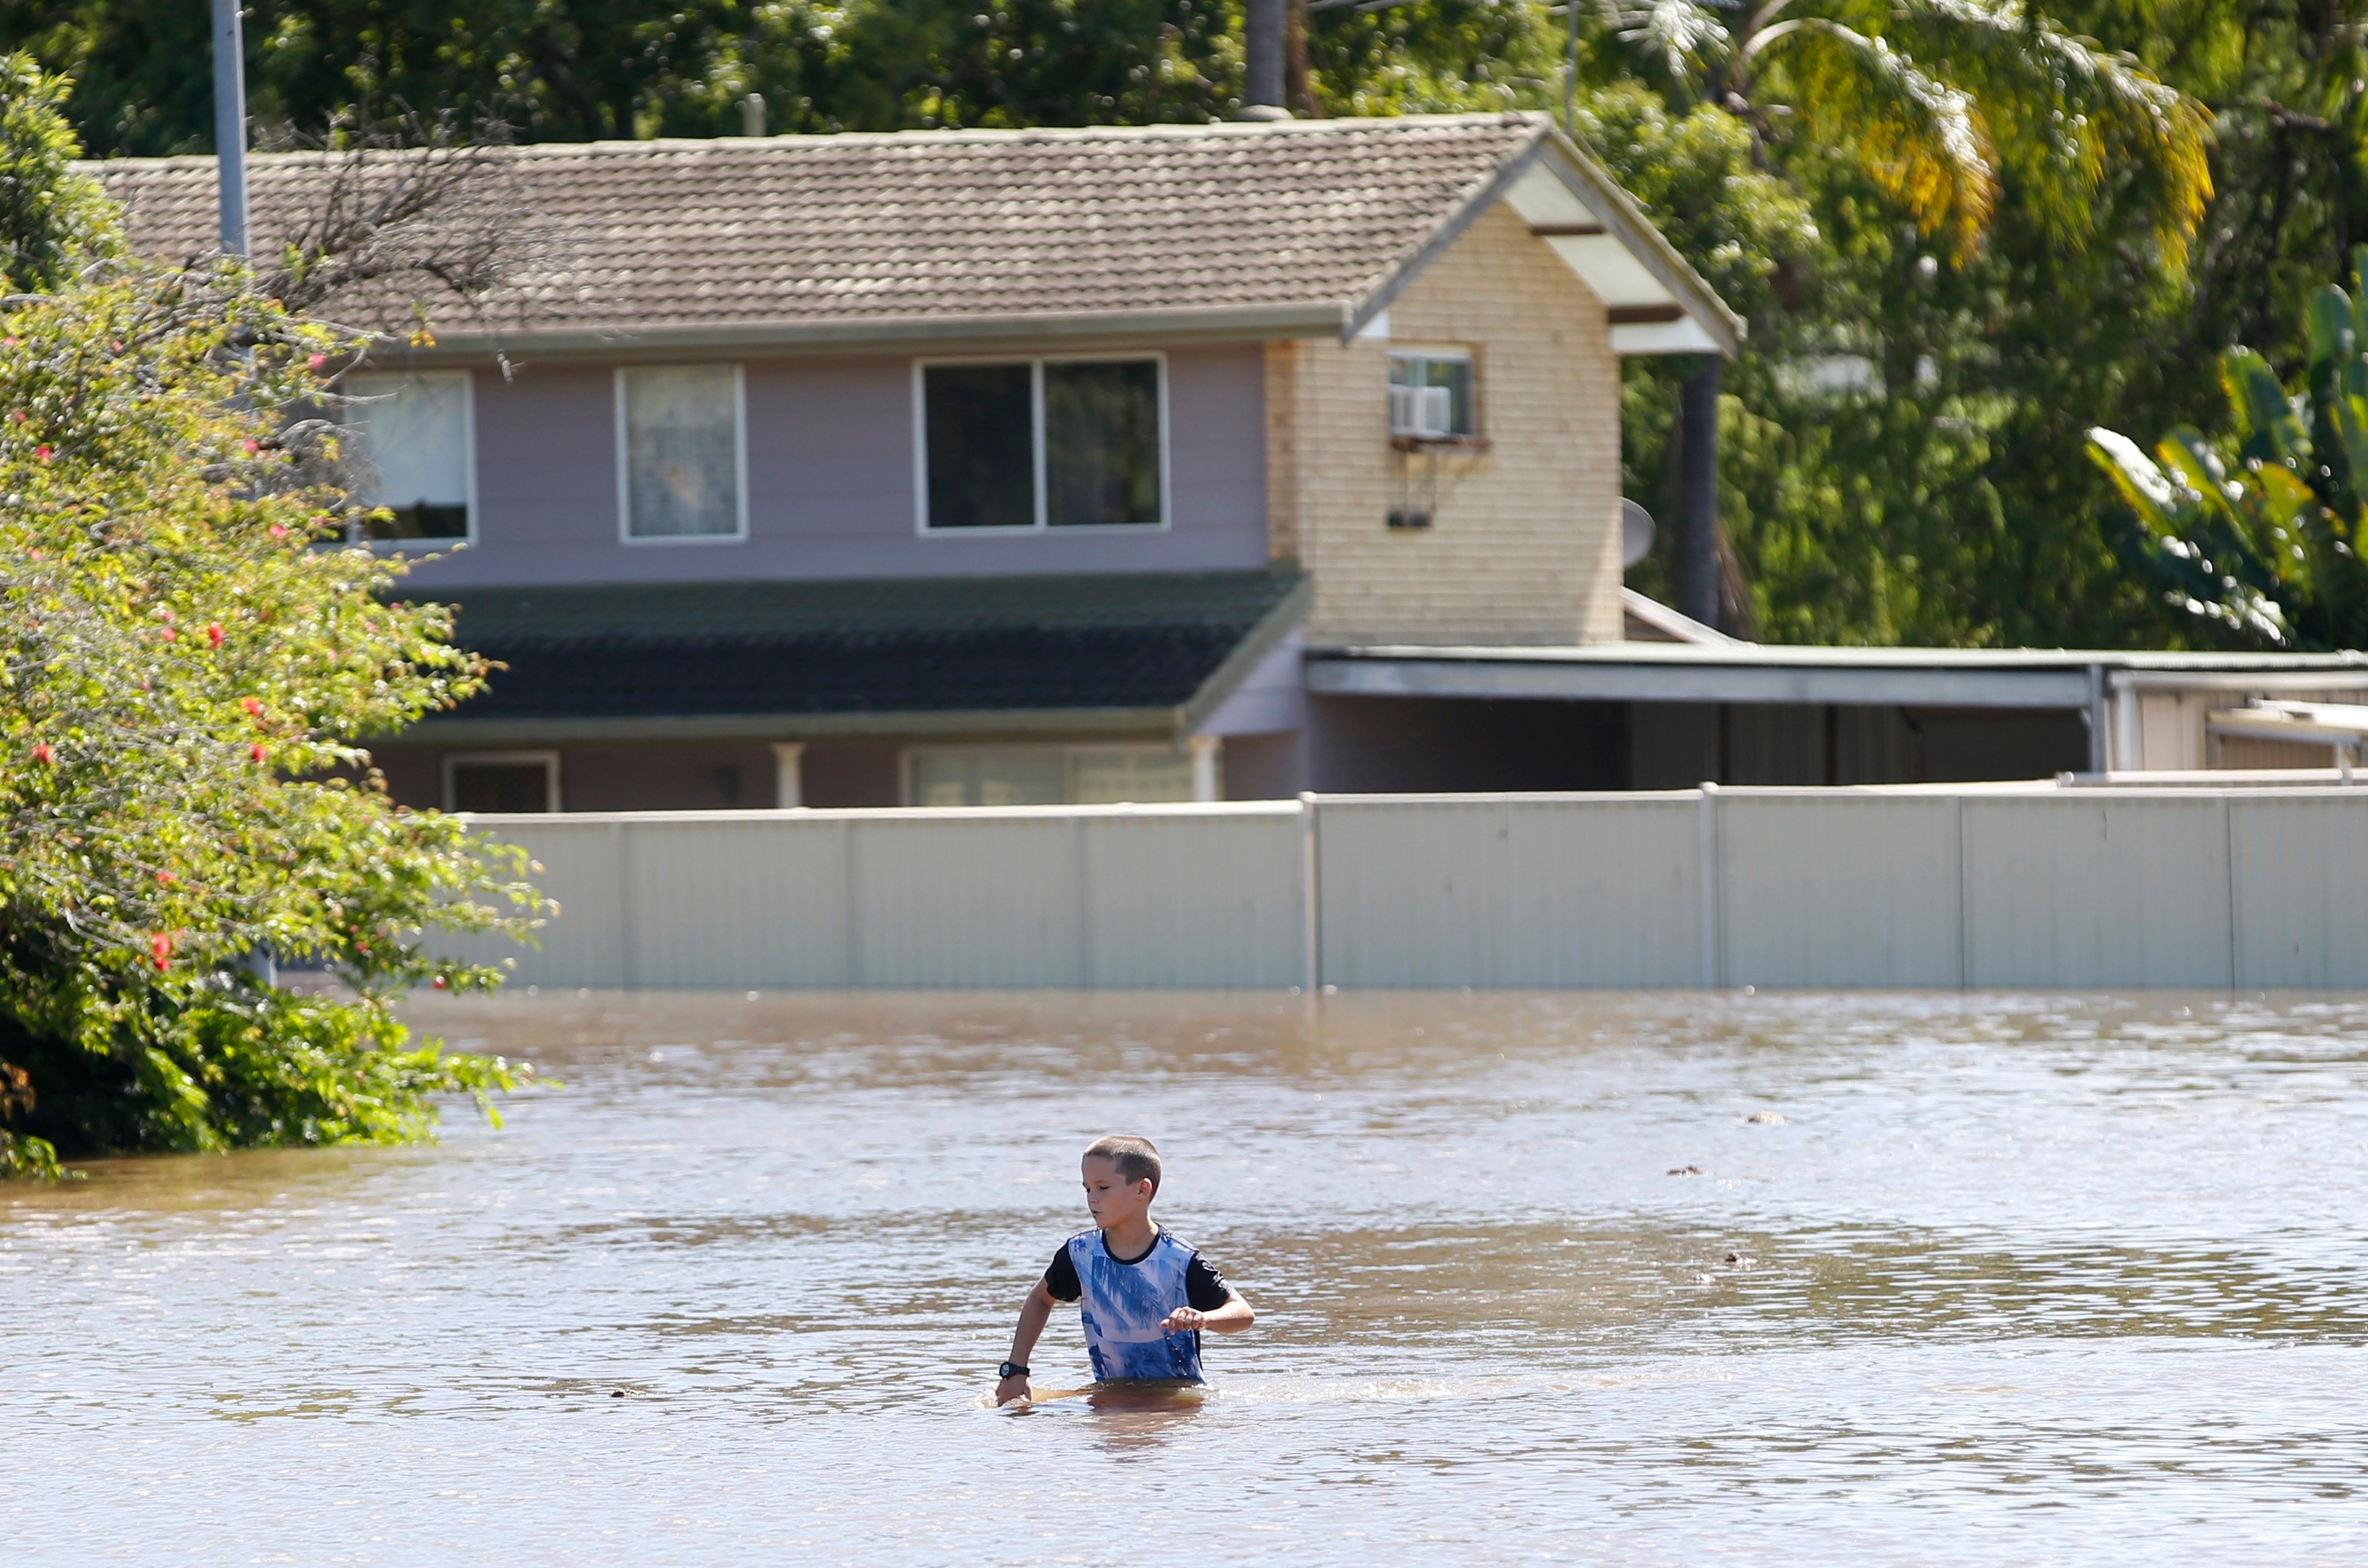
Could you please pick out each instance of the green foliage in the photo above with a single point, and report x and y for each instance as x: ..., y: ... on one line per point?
x: 53, y: 218
x: 2258, y: 536
x: 184, y: 661
x: 602, y: 68
x: 1433, y: 57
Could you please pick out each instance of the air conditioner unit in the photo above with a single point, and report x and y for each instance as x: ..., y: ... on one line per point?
x: 1425, y: 411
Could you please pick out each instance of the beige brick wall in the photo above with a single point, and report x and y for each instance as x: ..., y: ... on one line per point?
x: 1524, y: 541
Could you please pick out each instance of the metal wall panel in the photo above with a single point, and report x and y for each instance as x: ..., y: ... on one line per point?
x: 967, y: 898
x: 1509, y: 889
x: 2000, y: 886
x: 2105, y: 887
x: 2298, y: 877
x: 1194, y: 897
x: 736, y: 901
x: 1855, y: 887
x: 583, y: 869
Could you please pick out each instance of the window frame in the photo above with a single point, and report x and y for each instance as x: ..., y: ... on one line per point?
x: 623, y: 436
x: 1068, y: 752
x: 1471, y: 363
x: 468, y: 380
x: 1042, y: 525
x: 452, y: 761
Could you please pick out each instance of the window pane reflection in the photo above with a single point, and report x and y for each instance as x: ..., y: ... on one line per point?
x: 981, y: 445
x: 1101, y: 443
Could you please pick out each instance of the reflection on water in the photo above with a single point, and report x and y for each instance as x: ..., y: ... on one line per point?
x: 1639, y: 1280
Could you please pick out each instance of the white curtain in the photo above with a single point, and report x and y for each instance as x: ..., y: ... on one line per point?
x: 415, y: 439
x: 682, y: 451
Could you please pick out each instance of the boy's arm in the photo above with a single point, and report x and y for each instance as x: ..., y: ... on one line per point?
x: 1231, y: 1318
x: 1034, y: 1313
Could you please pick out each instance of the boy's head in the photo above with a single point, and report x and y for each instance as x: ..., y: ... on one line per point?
x: 1122, y: 1177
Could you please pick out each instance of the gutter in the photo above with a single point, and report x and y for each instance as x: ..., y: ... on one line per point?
x: 1114, y: 328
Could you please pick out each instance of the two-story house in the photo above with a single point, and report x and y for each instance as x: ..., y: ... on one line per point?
x: 1004, y: 467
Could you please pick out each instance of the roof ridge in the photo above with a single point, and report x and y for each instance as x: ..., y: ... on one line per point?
x: 1164, y: 130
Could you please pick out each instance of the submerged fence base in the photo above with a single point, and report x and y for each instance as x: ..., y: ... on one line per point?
x: 1984, y: 887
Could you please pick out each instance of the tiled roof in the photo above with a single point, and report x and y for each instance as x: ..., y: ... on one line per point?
x: 673, y: 234
x: 1117, y: 643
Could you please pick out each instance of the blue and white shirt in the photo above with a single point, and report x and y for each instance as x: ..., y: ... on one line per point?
x: 1123, y: 1300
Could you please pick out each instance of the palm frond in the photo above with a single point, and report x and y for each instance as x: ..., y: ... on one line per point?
x: 2067, y: 112
x: 1922, y: 139
x: 1685, y: 38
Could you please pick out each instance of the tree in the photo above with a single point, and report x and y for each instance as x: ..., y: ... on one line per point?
x: 1928, y: 98
x: 184, y: 663
x: 51, y: 217
x: 2258, y: 537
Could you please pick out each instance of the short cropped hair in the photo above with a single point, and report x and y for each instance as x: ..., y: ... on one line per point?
x: 1135, y: 1158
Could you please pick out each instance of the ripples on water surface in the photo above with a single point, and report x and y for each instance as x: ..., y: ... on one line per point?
x: 2015, y: 1280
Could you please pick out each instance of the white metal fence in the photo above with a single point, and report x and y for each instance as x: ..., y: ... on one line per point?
x: 1987, y: 886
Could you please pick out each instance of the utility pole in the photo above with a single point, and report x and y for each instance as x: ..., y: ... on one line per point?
x: 230, y: 124
x: 1263, y: 24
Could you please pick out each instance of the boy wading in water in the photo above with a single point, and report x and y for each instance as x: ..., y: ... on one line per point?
x: 1144, y: 1296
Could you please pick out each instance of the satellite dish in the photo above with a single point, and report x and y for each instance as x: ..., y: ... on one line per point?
x: 1636, y: 532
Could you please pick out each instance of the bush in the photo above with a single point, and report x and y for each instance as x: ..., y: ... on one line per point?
x: 186, y: 660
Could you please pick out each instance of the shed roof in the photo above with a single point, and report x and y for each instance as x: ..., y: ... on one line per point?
x: 1739, y: 672
x: 1291, y: 226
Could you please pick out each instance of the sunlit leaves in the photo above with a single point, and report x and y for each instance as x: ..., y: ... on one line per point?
x: 2258, y: 536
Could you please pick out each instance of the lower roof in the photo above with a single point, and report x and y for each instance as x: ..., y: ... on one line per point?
x: 1772, y: 673
x: 1102, y: 653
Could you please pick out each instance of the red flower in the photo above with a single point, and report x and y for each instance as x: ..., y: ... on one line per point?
x: 318, y: 362
x: 165, y: 878
x: 256, y: 751
x: 170, y: 634
x: 279, y: 531
x: 44, y: 756
x: 439, y: 982
x: 161, y: 946
x: 44, y: 452
x: 253, y: 705
x: 214, y: 634
x: 252, y: 446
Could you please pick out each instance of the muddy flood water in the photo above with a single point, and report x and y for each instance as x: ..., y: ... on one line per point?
x: 1944, y: 1279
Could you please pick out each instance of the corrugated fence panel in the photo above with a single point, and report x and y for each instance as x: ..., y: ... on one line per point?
x: 2299, y: 876
x: 1510, y: 891
x: 1193, y: 898
x: 586, y: 945
x: 1842, y: 888
x: 2104, y: 889
x: 1838, y: 887
x: 984, y: 898
x: 732, y: 899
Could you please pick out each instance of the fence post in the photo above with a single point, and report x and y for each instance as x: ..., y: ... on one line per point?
x: 1707, y: 854
x: 1965, y: 895
x: 1311, y: 887
x: 624, y: 851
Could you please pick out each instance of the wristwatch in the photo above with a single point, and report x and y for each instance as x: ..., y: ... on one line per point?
x: 1011, y: 1370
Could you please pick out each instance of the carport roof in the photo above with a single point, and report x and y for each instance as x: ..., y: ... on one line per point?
x: 1767, y: 672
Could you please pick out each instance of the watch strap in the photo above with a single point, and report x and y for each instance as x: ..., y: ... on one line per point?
x: 1011, y: 1370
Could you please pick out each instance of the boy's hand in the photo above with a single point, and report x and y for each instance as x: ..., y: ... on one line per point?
x: 1013, y: 1391
x: 1184, y: 1320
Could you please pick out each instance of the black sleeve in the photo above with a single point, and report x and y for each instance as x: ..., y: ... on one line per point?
x: 1204, y: 1287
x: 1060, y: 1280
